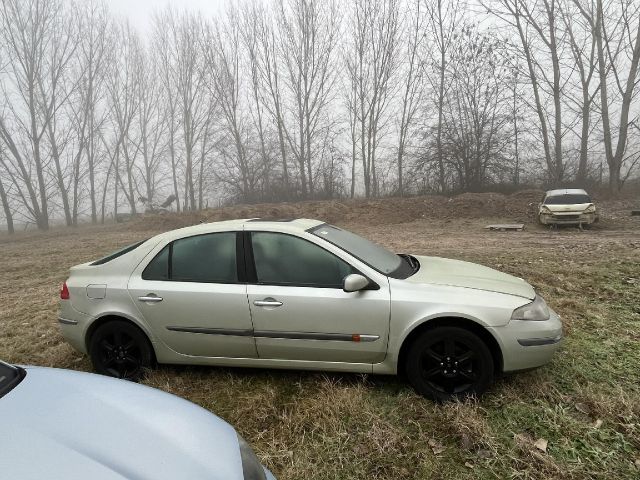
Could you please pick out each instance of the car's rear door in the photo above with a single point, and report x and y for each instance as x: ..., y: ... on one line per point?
x: 299, y: 309
x: 190, y: 294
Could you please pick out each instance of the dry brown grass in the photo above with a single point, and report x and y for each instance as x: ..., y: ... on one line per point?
x: 331, y: 426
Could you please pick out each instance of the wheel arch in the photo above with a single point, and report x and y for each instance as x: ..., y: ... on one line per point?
x: 109, y: 317
x: 452, y: 321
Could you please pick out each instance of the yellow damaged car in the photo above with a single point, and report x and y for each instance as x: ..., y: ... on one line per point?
x: 567, y: 206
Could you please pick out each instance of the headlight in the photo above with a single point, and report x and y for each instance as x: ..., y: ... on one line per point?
x: 590, y: 209
x: 545, y: 210
x: 251, y: 466
x: 536, y: 310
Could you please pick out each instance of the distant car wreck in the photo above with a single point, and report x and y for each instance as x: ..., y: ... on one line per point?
x: 153, y: 207
x: 567, y: 206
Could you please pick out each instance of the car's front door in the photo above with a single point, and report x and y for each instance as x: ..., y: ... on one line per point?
x: 190, y: 295
x: 300, y: 311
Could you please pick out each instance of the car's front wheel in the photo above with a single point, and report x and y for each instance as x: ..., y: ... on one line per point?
x: 447, y: 363
x: 120, y: 349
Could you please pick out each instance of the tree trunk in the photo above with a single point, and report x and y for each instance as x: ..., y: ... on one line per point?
x: 7, y: 210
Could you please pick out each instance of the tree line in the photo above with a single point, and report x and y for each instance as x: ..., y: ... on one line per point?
x: 307, y: 99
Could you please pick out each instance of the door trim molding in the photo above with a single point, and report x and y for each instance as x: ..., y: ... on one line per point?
x: 213, y: 331
x: 344, y: 337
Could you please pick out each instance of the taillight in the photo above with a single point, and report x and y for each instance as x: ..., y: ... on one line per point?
x: 64, y: 292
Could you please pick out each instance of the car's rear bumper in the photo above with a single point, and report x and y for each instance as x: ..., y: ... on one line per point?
x: 529, y: 344
x: 73, y: 325
x: 575, y: 219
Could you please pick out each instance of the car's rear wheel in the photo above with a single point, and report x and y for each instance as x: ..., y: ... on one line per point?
x: 447, y: 363
x: 120, y: 349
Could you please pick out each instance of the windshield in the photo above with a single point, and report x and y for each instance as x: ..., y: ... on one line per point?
x: 372, y: 254
x: 10, y: 376
x: 118, y: 253
x: 568, y: 199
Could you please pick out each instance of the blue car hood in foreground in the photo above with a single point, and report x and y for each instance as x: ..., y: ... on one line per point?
x: 70, y: 425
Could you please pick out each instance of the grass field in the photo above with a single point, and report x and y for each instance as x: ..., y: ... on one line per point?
x: 585, y: 404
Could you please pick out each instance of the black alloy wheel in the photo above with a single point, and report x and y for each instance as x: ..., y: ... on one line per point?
x: 121, y: 350
x: 447, y: 363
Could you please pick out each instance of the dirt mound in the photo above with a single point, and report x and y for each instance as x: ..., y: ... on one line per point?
x: 379, y: 211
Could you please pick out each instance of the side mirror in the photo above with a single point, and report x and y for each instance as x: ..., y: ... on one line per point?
x: 355, y: 283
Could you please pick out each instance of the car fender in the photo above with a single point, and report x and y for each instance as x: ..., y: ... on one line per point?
x: 124, y: 315
x: 399, y: 340
x: 416, y: 305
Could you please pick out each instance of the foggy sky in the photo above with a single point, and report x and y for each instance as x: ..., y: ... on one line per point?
x: 139, y: 12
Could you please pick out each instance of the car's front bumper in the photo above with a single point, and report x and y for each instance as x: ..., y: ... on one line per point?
x: 528, y: 344
x: 571, y: 219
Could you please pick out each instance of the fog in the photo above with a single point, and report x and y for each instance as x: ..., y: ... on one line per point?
x: 132, y: 106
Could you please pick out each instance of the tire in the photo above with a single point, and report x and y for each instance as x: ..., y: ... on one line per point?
x: 120, y: 349
x: 449, y: 363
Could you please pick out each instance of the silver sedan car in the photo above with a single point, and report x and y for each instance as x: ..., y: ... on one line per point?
x: 61, y: 424
x: 303, y: 294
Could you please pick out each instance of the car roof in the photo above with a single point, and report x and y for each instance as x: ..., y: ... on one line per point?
x: 297, y: 225
x: 566, y: 191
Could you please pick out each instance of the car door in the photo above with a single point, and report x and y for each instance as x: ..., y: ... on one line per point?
x: 299, y: 309
x: 191, y: 296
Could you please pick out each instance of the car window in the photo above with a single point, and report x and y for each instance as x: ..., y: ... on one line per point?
x: 203, y: 258
x: 287, y: 260
x: 567, y: 199
x: 376, y: 256
x: 117, y: 253
x: 158, y: 268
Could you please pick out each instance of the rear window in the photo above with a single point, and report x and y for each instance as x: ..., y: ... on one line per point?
x: 10, y: 376
x: 568, y: 199
x: 118, y: 253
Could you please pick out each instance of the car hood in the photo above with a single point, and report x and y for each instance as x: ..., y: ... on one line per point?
x: 570, y: 208
x: 72, y: 425
x: 456, y: 273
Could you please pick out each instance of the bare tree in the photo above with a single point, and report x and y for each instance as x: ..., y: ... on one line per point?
x: 371, y: 66
x: 443, y: 17
x: 413, y: 85
x: 618, y: 47
x: 152, y: 128
x: 270, y: 70
x: 123, y: 86
x: 583, y: 50
x: 185, y: 76
x: 8, y: 215
x: 95, y: 60
x: 223, y: 51
x: 252, y: 23
x: 541, y: 50
x: 27, y: 29
x: 476, y: 127
x: 66, y: 138
x: 308, y: 35
x: 164, y: 55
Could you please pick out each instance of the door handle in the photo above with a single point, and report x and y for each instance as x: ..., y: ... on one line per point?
x: 151, y: 298
x: 267, y: 302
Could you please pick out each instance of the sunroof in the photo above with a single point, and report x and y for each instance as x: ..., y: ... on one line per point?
x: 278, y: 220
